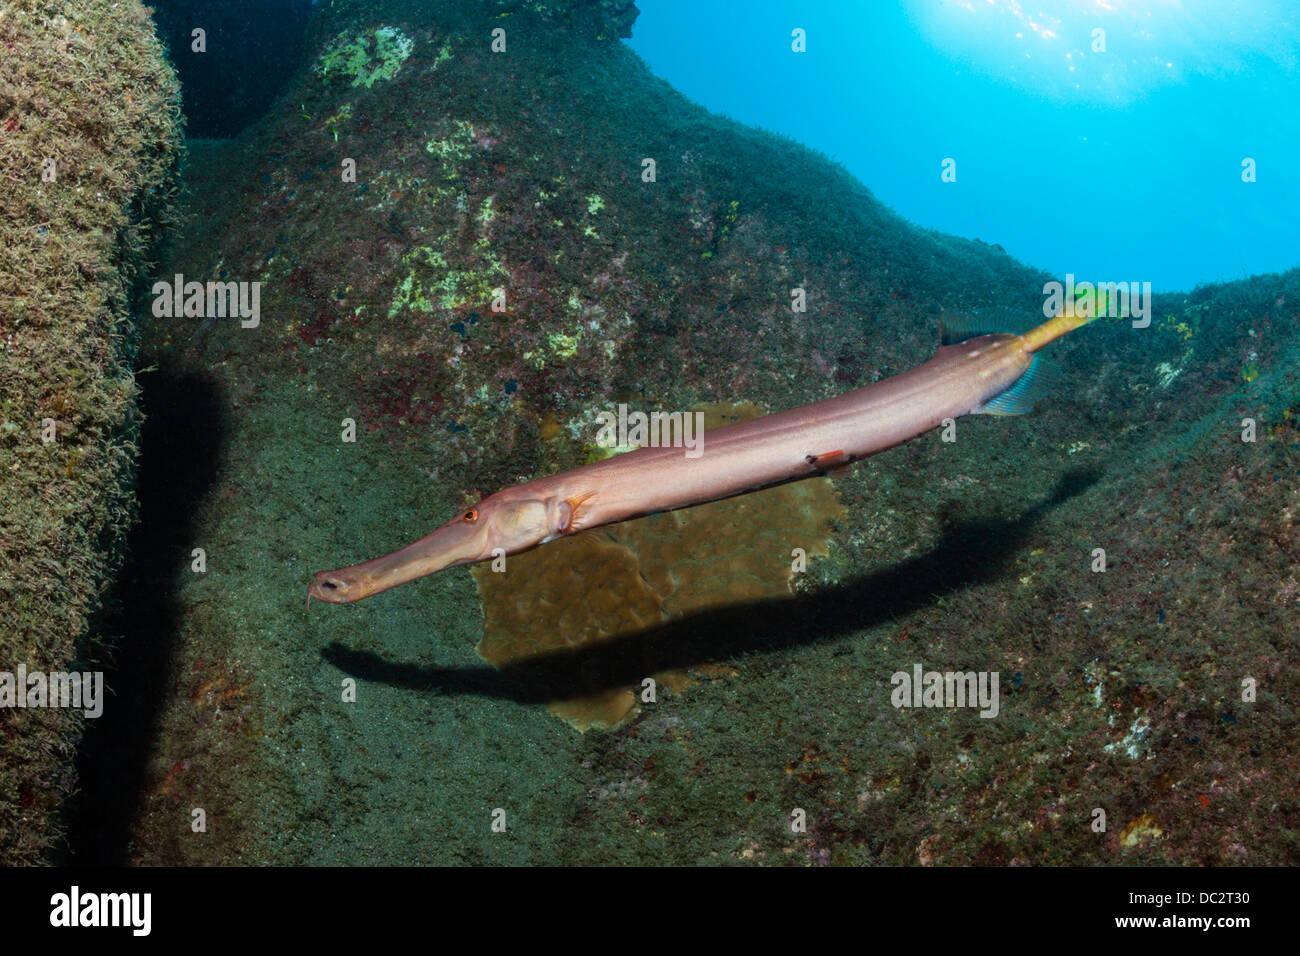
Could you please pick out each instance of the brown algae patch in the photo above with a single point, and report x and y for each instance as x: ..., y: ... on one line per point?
x: 599, y: 588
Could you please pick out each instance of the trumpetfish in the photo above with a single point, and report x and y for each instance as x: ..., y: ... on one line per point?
x: 989, y: 373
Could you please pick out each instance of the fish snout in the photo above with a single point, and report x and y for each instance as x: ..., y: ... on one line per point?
x: 329, y: 587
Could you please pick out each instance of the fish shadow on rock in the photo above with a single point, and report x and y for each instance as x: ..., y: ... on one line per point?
x: 969, y: 552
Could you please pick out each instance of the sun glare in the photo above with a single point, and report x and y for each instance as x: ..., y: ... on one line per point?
x: 1104, y: 50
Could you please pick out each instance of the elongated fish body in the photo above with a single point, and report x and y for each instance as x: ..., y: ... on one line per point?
x: 796, y: 443
x: 971, y: 376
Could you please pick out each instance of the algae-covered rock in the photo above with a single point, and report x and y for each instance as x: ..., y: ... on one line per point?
x: 366, y: 58
x: 603, y: 19
x: 89, y: 136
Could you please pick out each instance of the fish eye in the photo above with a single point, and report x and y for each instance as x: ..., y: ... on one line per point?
x: 471, y: 515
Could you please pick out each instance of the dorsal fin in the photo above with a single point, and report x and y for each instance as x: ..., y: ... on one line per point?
x: 960, y: 326
x: 1037, y: 381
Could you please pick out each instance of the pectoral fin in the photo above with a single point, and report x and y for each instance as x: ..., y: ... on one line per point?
x: 1037, y: 381
x: 572, y: 513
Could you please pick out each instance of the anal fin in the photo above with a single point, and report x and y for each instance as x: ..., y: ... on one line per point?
x: 835, y: 460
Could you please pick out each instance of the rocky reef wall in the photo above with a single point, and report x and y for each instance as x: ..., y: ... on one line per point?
x: 89, y: 141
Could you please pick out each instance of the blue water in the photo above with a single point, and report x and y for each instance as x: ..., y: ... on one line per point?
x: 1123, y: 165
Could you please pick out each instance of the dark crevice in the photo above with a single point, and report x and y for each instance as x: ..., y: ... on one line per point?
x: 249, y: 55
x: 180, y: 450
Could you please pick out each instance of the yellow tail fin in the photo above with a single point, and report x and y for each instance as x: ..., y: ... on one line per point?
x: 1073, y: 315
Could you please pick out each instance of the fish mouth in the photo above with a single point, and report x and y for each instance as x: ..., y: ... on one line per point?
x: 328, y: 588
